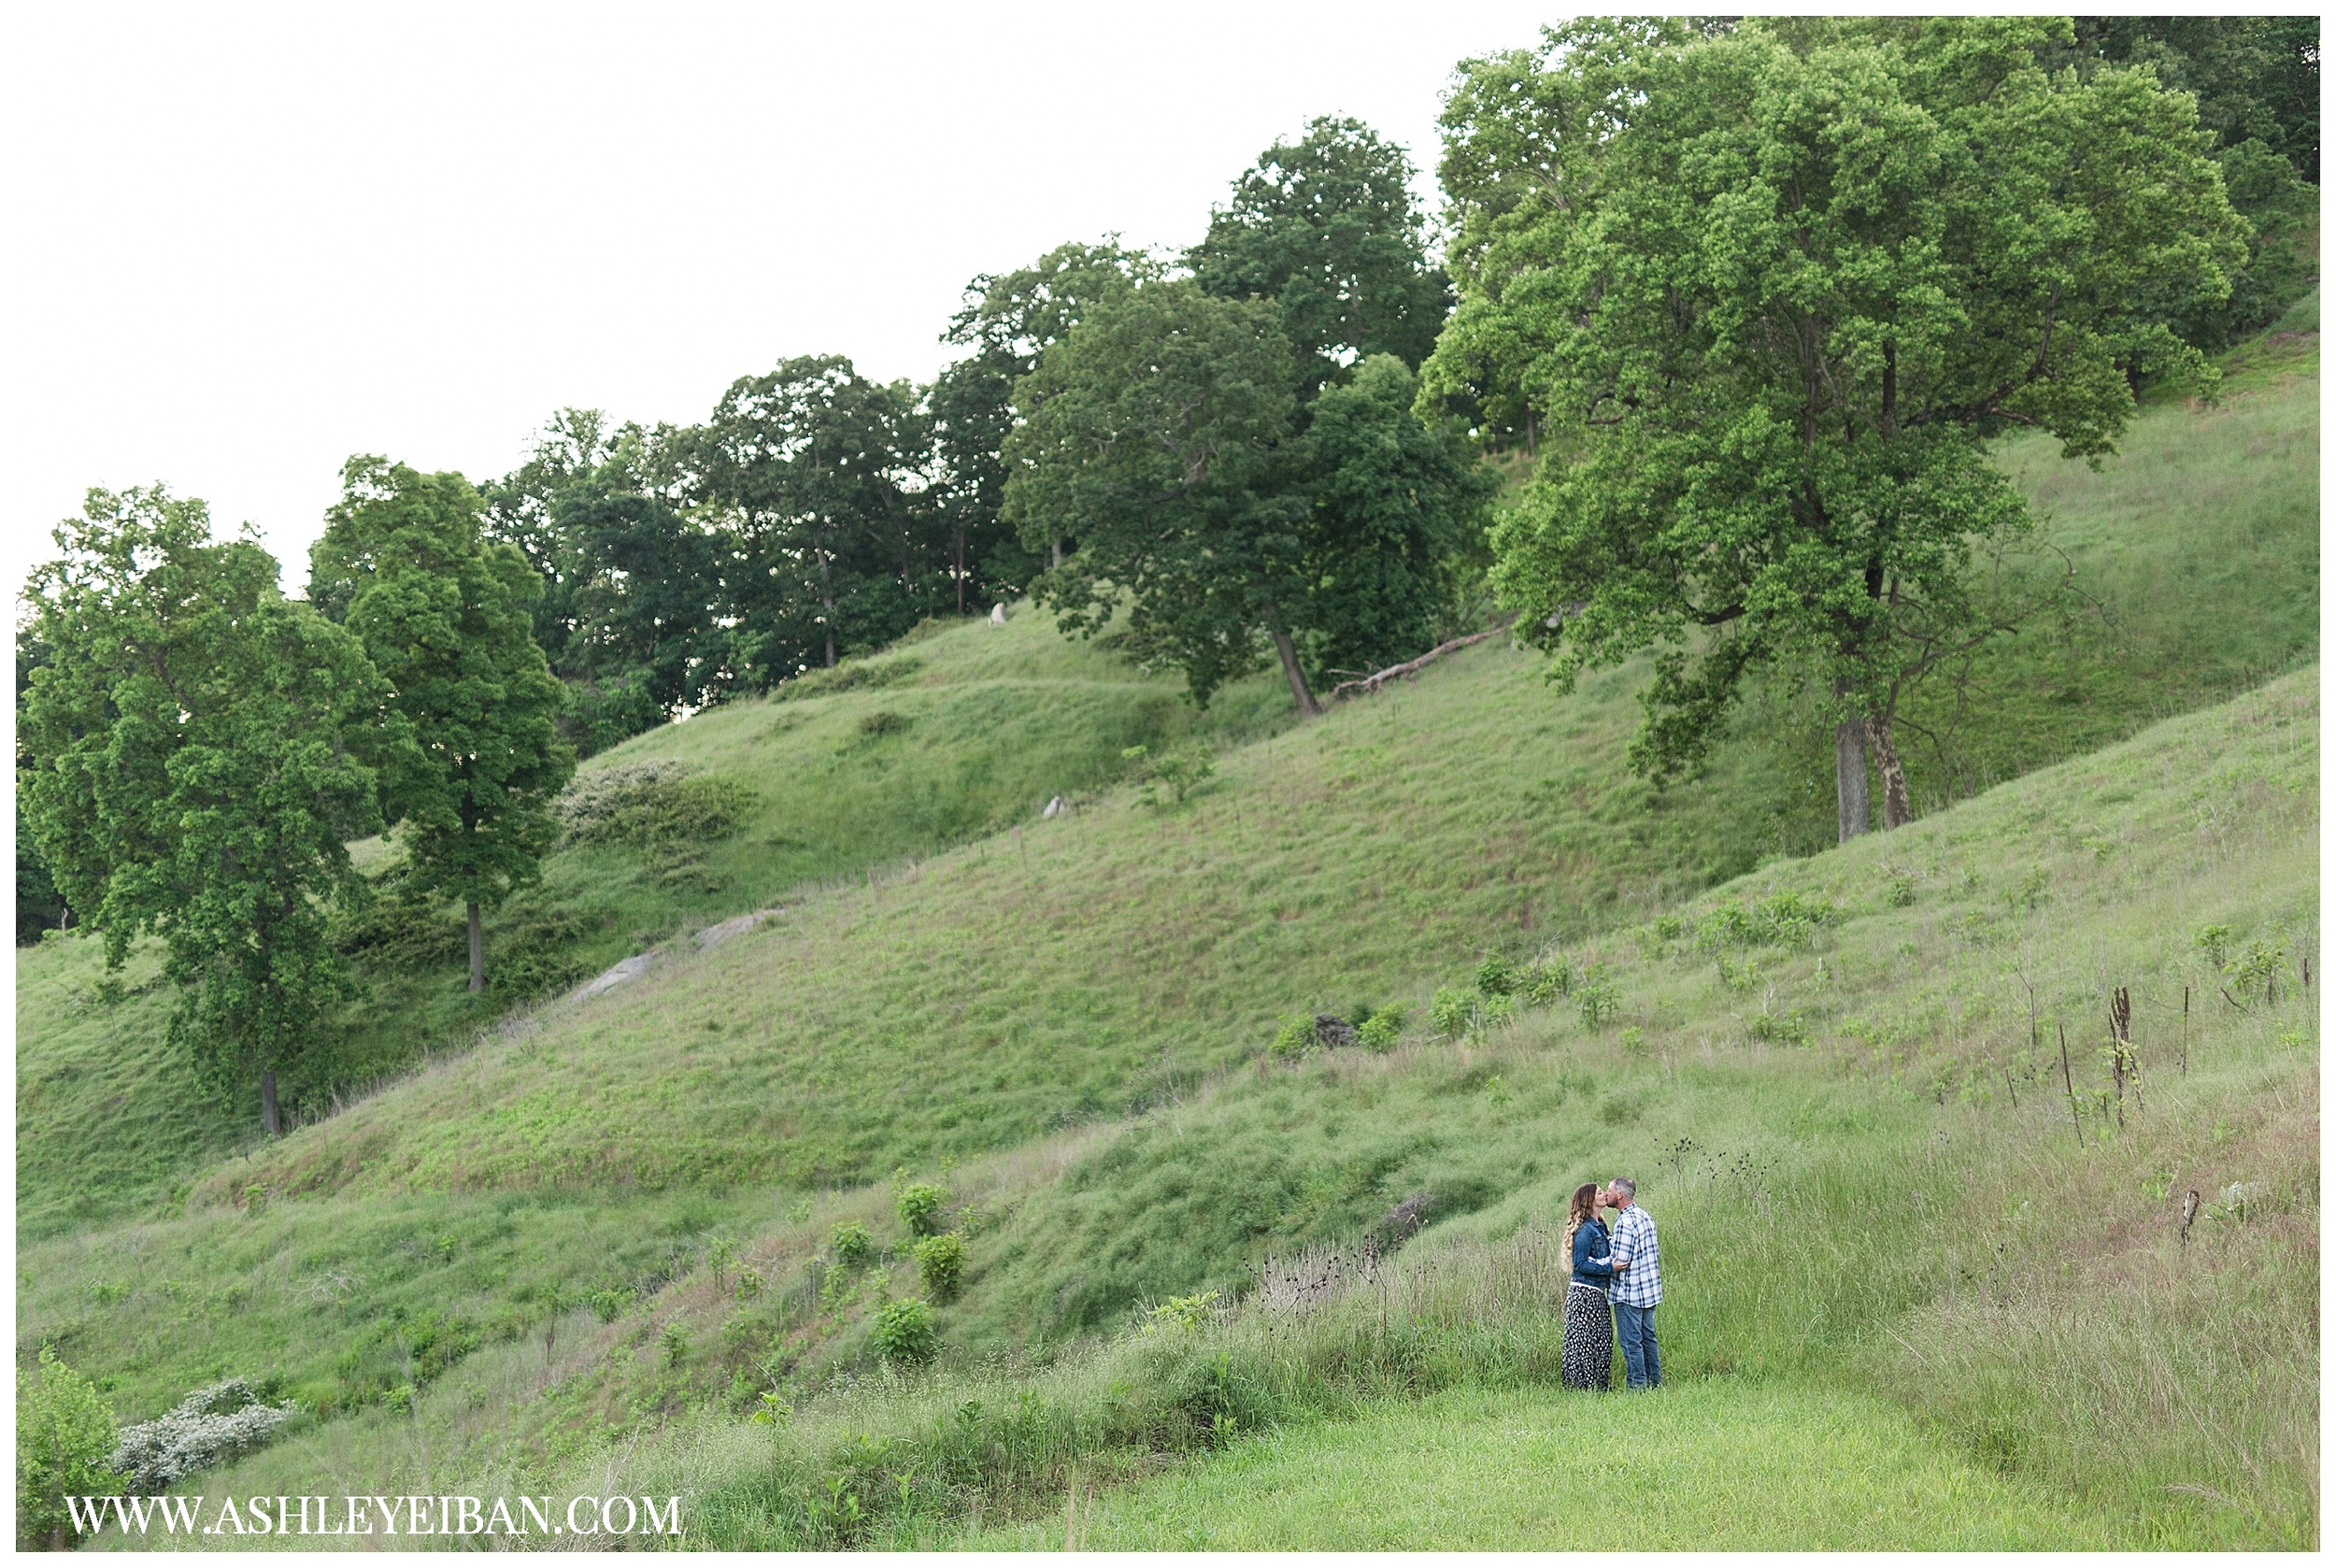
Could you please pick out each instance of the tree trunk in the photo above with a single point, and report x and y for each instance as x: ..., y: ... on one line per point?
x: 270, y: 1120
x: 1056, y: 547
x: 1897, y: 810
x: 1297, y: 689
x: 477, y: 951
x: 1849, y: 778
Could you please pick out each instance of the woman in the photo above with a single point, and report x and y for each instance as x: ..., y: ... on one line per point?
x: 1589, y: 1318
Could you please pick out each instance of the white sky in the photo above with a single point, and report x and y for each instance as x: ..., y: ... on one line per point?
x: 243, y: 244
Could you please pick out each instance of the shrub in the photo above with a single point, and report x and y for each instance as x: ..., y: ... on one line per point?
x: 883, y: 722
x: 1496, y: 976
x: 1784, y: 1029
x: 1899, y: 893
x: 63, y: 1435
x: 941, y: 1264
x: 904, y: 1333
x: 676, y: 1345
x: 2214, y: 943
x: 1493, y: 1011
x: 1545, y: 980
x: 1595, y: 998
x: 650, y: 803
x: 750, y: 1284
x: 1178, y: 772
x: 1292, y: 1040
x: 2256, y: 971
x: 1452, y: 1012
x: 920, y: 1207
x: 1180, y: 1312
x: 1380, y: 1030
x: 609, y: 1305
x: 852, y: 1243
x: 207, y: 1427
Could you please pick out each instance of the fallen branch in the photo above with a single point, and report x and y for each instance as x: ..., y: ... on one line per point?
x: 1405, y: 670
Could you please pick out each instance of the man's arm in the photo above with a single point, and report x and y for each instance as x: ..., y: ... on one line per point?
x: 1625, y: 1243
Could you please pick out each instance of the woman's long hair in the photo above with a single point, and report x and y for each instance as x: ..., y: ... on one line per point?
x: 1583, y: 1206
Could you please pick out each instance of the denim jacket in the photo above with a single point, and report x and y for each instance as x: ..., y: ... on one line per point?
x: 1590, y: 1252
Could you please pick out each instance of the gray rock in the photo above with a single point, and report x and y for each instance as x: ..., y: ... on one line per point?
x: 616, y: 975
x: 997, y: 615
x: 1054, y: 808
x: 715, y: 936
x: 1334, y: 1033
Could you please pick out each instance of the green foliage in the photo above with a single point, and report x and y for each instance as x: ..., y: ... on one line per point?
x: 1178, y: 772
x: 1325, y: 229
x: 1381, y: 1031
x: 1546, y: 979
x: 1181, y: 1311
x: 1657, y: 314
x: 201, y: 744
x: 2256, y: 972
x: 2212, y: 942
x: 941, y: 1264
x: 905, y: 1332
x: 1293, y: 1039
x: 1595, y: 997
x: 1452, y: 1012
x: 445, y: 616
x: 650, y: 805
x: 1497, y: 977
x: 817, y: 470
x: 1148, y: 435
x: 674, y: 1341
x: 853, y: 1247
x: 65, y: 1435
x: 920, y: 1204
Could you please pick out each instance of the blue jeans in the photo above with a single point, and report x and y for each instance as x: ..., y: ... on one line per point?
x: 1642, y: 1363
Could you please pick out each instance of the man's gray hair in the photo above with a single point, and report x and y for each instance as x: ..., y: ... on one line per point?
x: 1626, y: 1184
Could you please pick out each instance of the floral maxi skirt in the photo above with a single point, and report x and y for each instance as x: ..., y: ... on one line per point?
x: 1589, y: 1338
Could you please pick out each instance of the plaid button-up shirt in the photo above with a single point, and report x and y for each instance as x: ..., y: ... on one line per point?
x: 1642, y: 1283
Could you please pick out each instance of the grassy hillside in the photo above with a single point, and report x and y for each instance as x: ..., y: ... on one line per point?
x: 882, y: 763
x: 1068, y: 1021
x: 1907, y: 1290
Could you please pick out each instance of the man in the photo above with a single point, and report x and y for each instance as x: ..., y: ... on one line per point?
x: 1638, y: 1285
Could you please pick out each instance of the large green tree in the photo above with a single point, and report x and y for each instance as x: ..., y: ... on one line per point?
x: 814, y: 476
x: 1007, y: 321
x: 1777, y: 290
x: 445, y: 615
x: 632, y: 615
x: 1393, y: 531
x: 1325, y: 228
x: 205, y: 749
x: 1152, y: 434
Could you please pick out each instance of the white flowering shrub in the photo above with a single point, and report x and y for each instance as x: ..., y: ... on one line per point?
x: 208, y: 1426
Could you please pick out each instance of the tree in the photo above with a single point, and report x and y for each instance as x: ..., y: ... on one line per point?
x: 2258, y: 84
x: 40, y: 907
x: 1394, y: 527
x: 65, y: 1433
x: 638, y: 635
x: 206, y: 748
x: 1008, y: 321
x: 1325, y: 229
x: 445, y: 615
x: 1778, y: 289
x: 1151, y: 434
x: 816, y: 476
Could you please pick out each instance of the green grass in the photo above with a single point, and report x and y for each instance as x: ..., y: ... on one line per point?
x: 1701, y: 1467
x: 1899, y: 1207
